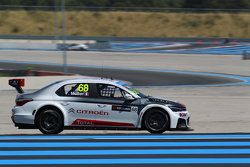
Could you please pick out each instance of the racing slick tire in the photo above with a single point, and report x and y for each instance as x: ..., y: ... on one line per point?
x: 156, y: 121
x: 50, y: 122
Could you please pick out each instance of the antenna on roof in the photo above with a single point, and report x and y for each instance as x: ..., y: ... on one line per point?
x: 102, y: 71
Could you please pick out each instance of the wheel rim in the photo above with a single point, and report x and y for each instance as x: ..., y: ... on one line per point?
x: 50, y: 122
x: 157, y: 121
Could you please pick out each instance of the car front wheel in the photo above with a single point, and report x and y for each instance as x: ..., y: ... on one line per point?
x: 50, y: 122
x: 156, y: 121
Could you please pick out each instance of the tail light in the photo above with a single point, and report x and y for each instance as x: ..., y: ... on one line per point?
x: 21, y: 102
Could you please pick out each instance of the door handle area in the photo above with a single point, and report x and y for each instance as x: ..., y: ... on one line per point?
x: 101, y: 105
x: 65, y: 104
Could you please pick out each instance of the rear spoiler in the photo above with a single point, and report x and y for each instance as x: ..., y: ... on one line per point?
x: 18, y: 84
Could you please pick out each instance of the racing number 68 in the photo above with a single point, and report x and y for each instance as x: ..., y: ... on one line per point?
x: 83, y: 88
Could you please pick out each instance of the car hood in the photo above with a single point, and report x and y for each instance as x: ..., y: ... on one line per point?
x: 161, y: 101
x: 153, y: 100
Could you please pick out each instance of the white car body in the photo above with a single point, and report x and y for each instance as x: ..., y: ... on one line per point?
x: 79, y: 109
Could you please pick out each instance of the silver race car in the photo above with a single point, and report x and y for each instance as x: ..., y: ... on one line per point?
x: 94, y: 104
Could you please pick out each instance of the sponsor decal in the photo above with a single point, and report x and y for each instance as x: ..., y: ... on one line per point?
x: 121, y: 108
x: 182, y: 114
x: 80, y: 122
x: 124, y: 108
x: 134, y: 109
x: 90, y: 112
x: 79, y: 93
x: 71, y: 110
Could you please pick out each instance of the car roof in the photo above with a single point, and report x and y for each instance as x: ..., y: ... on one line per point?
x: 94, y: 80
x: 56, y: 85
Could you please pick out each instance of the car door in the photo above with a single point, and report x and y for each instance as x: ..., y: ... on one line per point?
x: 118, y: 111
x: 78, y: 101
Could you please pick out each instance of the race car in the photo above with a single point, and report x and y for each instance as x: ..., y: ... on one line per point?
x: 95, y: 103
x: 77, y: 47
x: 73, y: 47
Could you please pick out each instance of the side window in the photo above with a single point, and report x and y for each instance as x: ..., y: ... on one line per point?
x: 110, y: 91
x: 75, y: 89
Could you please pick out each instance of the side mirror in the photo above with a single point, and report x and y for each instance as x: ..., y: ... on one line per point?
x: 128, y: 96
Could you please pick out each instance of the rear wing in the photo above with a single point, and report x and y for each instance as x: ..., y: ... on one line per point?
x: 18, y: 84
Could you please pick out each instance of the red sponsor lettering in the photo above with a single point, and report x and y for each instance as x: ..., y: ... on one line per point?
x: 100, y: 123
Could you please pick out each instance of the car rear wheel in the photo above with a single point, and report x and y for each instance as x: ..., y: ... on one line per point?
x: 156, y: 121
x: 50, y: 122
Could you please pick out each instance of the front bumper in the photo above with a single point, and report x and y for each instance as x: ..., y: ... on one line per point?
x: 183, y: 124
x: 180, y: 120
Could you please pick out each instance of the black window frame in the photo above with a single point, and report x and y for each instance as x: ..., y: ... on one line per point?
x: 98, y: 93
x: 92, y: 94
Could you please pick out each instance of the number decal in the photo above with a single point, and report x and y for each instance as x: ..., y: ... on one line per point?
x: 83, y: 88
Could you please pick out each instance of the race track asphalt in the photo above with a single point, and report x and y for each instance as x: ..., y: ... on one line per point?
x: 137, y: 77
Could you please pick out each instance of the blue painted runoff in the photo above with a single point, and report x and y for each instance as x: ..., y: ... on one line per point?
x: 125, y: 152
x: 139, y: 47
x: 147, y: 136
x: 118, y: 144
x: 127, y: 161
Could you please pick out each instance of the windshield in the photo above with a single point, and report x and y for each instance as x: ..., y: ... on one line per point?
x: 137, y: 92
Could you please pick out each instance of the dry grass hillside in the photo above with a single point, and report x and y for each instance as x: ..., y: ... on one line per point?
x: 142, y: 24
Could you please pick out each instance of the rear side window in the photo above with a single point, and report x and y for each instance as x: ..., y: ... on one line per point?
x: 76, y: 89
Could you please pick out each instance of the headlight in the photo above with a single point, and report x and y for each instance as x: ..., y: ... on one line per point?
x: 177, y: 108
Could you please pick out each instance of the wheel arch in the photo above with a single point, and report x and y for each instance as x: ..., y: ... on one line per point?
x: 49, y: 106
x: 158, y: 107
